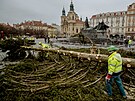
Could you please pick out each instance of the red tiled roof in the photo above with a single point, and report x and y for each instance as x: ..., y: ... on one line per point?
x: 49, y: 26
x: 34, y: 23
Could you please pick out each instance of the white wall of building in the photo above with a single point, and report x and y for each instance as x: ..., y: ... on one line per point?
x: 115, y: 20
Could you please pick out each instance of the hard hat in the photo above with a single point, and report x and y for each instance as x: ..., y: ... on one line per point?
x: 112, y: 48
x: 40, y: 43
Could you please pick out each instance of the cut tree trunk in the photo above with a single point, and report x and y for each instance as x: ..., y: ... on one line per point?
x: 128, y: 62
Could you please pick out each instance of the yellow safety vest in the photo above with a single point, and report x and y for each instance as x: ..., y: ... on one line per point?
x: 114, y: 63
x: 45, y: 45
x: 130, y: 41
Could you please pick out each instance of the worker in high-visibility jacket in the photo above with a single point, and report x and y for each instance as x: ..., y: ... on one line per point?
x: 129, y: 43
x: 114, y: 71
x: 44, y: 45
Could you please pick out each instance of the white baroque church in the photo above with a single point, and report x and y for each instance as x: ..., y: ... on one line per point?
x: 71, y: 24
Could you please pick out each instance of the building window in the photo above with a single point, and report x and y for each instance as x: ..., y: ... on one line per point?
x: 107, y: 20
x: 118, y: 30
x: 123, y: 21
x: 122, y: 29
x: 112, y: 22
x: 72, y: 17
x: 77, y: 30
x: 128, y: 29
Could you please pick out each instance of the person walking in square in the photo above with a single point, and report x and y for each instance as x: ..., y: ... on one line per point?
x: 114, y: 71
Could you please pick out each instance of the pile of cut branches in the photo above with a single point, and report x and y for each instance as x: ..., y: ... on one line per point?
x: 59, y: 78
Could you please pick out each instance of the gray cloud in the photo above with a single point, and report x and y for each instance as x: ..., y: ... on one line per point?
x: 49, y: 11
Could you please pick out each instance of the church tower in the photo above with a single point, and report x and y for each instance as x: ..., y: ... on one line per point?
x: 70, y: 23
x: 63, y: 21
x: 71, y: 6
x: 63, y: 12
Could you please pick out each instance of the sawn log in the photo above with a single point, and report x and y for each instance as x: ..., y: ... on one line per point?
x: 128, y: 62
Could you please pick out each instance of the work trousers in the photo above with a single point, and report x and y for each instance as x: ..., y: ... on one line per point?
x: 129, y: 45
x: 119, y: 84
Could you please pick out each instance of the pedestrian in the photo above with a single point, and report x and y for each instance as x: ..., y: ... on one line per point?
x: 48, y: 39
x: 129, y: 43
x: 2, y: 35
x: 126, y: 42
x: 45, y: 37
x: 114, y: 71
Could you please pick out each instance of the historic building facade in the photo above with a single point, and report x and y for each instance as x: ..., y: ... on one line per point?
x: 70, y: 23
x: 50, y: 30
x: 115, y: 20
x: 130, y: 23
x: 121, y: 23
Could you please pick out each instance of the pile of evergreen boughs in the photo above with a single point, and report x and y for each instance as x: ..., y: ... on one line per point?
x: 13, y: 48
x: 55, y: 77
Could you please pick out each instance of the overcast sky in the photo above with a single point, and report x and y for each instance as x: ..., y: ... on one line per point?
x: 49, y: 11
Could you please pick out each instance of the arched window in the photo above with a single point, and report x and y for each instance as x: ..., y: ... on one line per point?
x: 72, y: 17
x: 73, y: 28
x: 77, y: 30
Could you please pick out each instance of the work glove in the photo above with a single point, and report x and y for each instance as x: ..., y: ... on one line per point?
x: 108, y: 77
